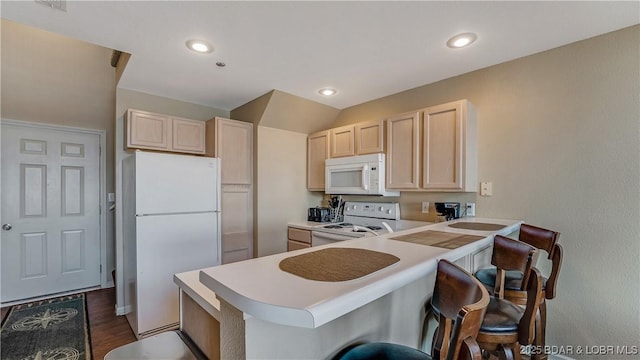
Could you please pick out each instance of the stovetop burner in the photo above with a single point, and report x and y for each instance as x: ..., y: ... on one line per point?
x: 348, y: 225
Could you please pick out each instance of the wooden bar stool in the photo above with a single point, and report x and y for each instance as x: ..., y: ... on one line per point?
x: 461, y: 300
x: 541, y: 239
x: 506, y: 325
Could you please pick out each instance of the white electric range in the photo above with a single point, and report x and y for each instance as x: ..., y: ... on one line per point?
x: 362, y: 219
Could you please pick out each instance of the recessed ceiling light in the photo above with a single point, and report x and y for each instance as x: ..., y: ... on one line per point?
x: 199, y: 46
x: 462, y: 40
x: 327, y: 91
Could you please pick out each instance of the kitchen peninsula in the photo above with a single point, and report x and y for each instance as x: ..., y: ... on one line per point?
x: 269, y: 313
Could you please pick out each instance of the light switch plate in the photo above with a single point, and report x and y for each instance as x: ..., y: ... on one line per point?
x: 425, y: 207
x: 486, y: 188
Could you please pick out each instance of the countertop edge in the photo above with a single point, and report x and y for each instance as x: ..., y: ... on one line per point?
x: 327, y: 310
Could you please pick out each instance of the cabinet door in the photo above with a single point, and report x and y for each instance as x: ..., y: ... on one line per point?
x: 442, y: 150
x: 317, y: 153
x: 369, y: 137
x: 234, y: 145
x: 342, y: 141
x: 403, y: 144
x: 147, y: 130
x: 481, y: 259
x: 237, y: 223
x: 187, y: 136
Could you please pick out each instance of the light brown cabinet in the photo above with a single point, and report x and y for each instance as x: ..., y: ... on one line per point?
x: 232, y: 142
x: 403, y: 151
x: 317, y: 153
x: 449, y: 147
x: 298, y: 239
x: 151, y: 131
x: 357, y: 139
x: 187, y: 135
x: 433, y: 149
x: 369, y: 137
x: 342, y: 141
x: 237, y: 223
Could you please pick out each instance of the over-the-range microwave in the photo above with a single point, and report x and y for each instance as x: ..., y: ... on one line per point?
x: 357, y: 175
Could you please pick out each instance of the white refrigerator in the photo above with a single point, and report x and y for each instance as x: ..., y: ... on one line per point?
x: 171, y: 224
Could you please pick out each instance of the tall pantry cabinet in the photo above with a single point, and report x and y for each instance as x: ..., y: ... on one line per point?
x: 232, y: 142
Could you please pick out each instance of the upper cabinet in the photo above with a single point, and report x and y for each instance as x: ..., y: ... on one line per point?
x: 358, y: 139
x: 449, y: 150
x: 433, y: 149
x: 232, y: 141
x: 403, y: 151
x: 187, y: 135
x: 146, y: 130
x: 342, y: 141
x: 369, y: 137
x: 317, y: 153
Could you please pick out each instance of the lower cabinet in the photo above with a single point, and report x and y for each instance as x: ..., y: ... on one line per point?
x: 201, y: 328
x: 477, y: 260
x: 237, y: 223
x: 298, y: 239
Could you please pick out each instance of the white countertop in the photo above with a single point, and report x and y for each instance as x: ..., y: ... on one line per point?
x: 259, y: 288
x: 306, y: 225
x: 189, y: 282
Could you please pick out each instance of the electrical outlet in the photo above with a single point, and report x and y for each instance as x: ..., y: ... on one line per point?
x: 425, y: 207
x: 471, y: 209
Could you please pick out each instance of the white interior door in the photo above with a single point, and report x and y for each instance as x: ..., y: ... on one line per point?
x: 50, y: 211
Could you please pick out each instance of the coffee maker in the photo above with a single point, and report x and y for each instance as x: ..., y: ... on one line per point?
x: 448, y: 210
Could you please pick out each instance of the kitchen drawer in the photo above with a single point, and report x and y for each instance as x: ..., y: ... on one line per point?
x: 300, y: 235
x: 296, y: 245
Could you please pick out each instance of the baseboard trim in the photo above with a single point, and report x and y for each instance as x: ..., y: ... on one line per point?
x: 122, y: 310
x: 49, y: 296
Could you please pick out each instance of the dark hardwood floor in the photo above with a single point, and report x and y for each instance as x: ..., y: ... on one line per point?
x: 108, y: 331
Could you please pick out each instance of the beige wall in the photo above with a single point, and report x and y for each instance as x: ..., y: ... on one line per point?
x: 128, y: 99
x: 281, y: 122
x: 48, y: 78
x: 559, y: 138
x: 282, y: 183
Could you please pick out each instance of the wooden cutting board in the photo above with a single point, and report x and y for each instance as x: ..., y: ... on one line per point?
x: 440, y: 239
x: 337, y: 264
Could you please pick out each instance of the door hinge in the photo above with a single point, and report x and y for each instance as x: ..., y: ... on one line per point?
x: 100, y: 150
x: 100, y: 268
x: 100, y: 209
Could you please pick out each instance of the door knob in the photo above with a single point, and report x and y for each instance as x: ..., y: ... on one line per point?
x: 6, y: 227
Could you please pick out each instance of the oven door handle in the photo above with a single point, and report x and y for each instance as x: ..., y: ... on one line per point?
x: 328, y: 236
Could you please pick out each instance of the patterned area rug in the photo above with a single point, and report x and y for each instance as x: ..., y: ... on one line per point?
x: 53, y: 329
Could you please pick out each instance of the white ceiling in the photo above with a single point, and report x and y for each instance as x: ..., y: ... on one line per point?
x: 365, y: 50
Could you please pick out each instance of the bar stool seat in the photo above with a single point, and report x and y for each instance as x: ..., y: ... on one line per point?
x: 501, y: 316
x: 461, y: 300
x: 387, y: 351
